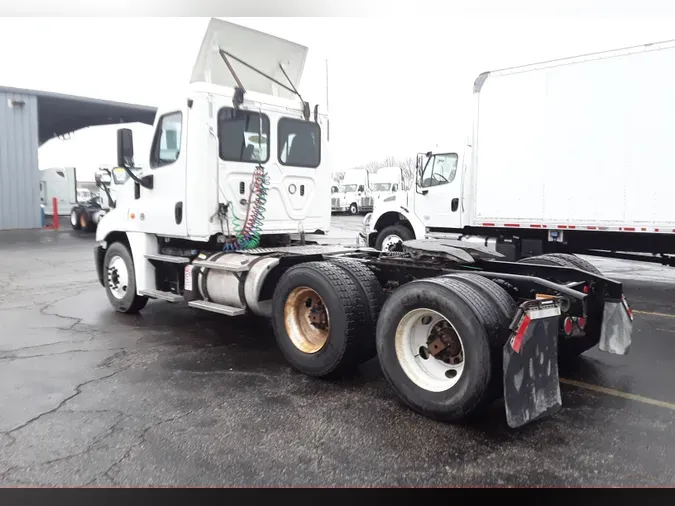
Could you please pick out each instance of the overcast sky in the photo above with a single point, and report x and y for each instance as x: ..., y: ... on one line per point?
x: 397, y: 85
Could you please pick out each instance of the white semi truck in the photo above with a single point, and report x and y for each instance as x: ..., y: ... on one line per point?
x: 354, y: 194
x: 386, y: 185
x: 59, y: 183
x: 86, y: 215
x: 212, y: 225
x: 568, y: 156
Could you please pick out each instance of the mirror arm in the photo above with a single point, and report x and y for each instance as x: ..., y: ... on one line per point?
x: 145, y: 181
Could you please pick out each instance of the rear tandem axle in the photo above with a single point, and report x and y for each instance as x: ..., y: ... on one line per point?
x: 453, y: 326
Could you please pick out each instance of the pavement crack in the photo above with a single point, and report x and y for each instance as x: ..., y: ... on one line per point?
x: 120, y: 418
x: 57, y: 353
x: 139, y: 443
x: 78, y: 391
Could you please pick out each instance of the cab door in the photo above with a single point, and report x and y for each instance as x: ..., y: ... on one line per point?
x: 438, y: 192
x: 162, y: 208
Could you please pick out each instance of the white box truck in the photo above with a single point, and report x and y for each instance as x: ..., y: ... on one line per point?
x: 219, y: 227
x: 568, y: 156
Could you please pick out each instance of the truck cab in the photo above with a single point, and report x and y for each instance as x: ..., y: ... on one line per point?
x: 387, y: 184
x: 354, y: 194
x: 433, y: 202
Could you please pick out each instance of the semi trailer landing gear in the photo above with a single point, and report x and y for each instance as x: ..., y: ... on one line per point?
x: 454, y: 326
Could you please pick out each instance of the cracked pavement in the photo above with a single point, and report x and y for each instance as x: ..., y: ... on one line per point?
x: 175, y: 396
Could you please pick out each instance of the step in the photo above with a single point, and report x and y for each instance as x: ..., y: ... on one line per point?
x: 217, y: 308
x: 158, y: 294
x: 167, y: 258
x: 229, y: 266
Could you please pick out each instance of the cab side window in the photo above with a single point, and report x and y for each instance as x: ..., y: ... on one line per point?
x: 167, y: 141
x: 441, y: 169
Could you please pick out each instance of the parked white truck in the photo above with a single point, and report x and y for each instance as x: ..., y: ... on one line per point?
x: 570, y: 156
x: 87, y: 214
x: 386, y: 185
x: 213, y: 225
x: 59, y: 183
x: 354, y: 194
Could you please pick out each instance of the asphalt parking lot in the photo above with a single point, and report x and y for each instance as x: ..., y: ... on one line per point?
x: 176, y: 396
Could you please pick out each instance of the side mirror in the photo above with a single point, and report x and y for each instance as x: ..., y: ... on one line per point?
x: 125, y: 157
x: 419, y: 163
x: 125, y: 147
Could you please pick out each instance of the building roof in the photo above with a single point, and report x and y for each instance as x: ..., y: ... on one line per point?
x: 60, y: 114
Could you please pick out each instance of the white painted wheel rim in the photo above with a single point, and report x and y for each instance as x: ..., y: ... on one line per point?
x: 73, y: 218
x: 118, y: 277
x: 390, y: 242
x: 430, y: 373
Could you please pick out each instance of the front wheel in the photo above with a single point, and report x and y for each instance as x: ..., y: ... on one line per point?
x: 120, y: 280
x: 391, y: 237
x: 75, y: 219
x: 353, y: 209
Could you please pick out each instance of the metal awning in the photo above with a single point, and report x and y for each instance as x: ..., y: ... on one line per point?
x: 60, y: 114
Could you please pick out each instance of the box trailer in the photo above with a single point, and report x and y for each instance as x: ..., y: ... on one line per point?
x: 573, y: 155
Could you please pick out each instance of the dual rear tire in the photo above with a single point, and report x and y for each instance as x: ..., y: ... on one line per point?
x: 324, y: 316
x: 439, y: 341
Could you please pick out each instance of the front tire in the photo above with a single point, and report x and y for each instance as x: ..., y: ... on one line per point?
x: 353, y: 209
x: 75, y: 219
x: 86, y: 221
x: 319, y: 319
x: 450, y: 383
x: 391, y: 237
x: 120, y: 280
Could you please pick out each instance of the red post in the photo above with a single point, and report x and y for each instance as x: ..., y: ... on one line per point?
x: 55, y: 203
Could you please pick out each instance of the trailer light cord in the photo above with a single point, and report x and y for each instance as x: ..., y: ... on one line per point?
x: 247, y: 235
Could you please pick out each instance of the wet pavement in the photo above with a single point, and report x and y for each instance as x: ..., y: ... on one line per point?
x: 177, y: 396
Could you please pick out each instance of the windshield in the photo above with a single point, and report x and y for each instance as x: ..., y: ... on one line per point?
x: 382, y: 187
x: 348, y: 188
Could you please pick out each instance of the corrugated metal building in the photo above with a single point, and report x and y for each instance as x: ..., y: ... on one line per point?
x: 28, y: 119
x: 19, y: 176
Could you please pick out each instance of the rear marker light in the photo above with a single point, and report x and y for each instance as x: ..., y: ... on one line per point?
x: 568, y: 326
x: 582, y: 322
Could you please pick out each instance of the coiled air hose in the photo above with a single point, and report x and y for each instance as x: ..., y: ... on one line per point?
x: 247, y: 235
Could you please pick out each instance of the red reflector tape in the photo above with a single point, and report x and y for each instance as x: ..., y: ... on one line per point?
x: 518, y: 338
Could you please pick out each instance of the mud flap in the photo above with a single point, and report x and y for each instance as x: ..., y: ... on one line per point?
x: 617, y: 327
x: 531, y: 380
